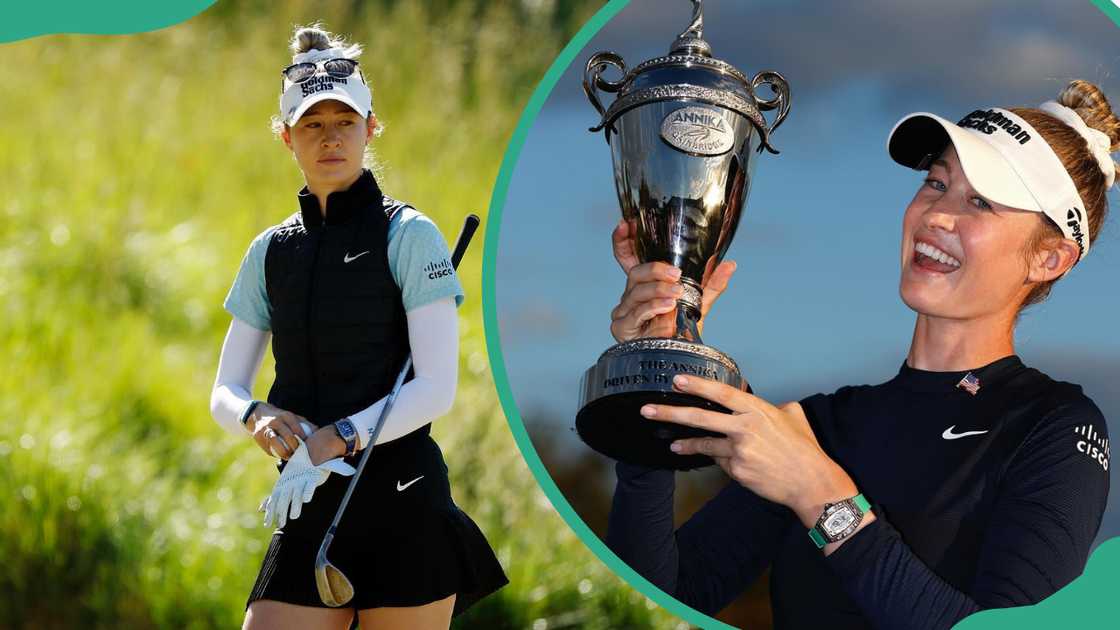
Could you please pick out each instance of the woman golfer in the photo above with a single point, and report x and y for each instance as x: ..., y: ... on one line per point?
x: 347, y: 287
x: 967, y: 481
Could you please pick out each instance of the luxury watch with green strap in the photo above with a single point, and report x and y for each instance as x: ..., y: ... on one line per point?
x: 839, y: 520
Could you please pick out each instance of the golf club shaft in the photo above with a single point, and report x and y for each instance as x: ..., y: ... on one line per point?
x: 465, y: 235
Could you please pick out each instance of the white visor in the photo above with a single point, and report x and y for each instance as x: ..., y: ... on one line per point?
x: 1005, y: 160
x: 297, y: 98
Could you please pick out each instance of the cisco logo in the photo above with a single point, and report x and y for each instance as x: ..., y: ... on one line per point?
x: 439, y: 269
x: 1092, y: 444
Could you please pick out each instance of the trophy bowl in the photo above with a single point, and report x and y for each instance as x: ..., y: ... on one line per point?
x: 684, y: 132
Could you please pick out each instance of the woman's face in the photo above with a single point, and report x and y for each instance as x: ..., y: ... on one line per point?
x: 962, y: 255
x: 328, y: 142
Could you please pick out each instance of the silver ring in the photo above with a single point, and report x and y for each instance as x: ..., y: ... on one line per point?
x: 270, y: 433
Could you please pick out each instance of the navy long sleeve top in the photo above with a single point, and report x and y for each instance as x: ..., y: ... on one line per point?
x: 982, y: 500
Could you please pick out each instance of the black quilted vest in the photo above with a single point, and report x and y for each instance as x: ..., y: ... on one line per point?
x: 339, y: 333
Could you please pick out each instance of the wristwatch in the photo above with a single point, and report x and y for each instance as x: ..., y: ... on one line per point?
x: 346, y: 431
x: 839, y: 520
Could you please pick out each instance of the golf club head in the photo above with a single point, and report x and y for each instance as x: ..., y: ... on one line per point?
x: 334, y: 589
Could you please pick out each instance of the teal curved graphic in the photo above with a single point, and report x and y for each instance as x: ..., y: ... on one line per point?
x: 20, y: 20
x: 1087, y: 600
x: 493, y: 343
x: 1111, y: 8
x: 1083, y: 601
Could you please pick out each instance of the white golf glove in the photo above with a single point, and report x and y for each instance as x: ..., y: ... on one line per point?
x: 297, y: 484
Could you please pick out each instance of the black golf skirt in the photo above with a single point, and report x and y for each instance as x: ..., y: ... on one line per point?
x: 401, y: 542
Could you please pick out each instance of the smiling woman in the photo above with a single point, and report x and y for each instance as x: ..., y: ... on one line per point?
x: 344, y: 289
x: 969, y: 480
x: 949, y: 225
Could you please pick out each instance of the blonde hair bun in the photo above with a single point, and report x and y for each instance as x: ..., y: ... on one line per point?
x: 314, y: 37
x: 1093, y: 107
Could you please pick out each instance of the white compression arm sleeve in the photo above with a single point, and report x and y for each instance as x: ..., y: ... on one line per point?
x: 241, y: 357
x: 433, y: 335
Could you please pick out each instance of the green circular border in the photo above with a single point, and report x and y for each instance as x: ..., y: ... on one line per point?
x: 1093, y: 592
x: 493, y: 343
x: 21, y: 19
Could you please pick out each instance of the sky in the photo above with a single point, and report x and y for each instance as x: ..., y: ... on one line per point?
x: 814, y: 304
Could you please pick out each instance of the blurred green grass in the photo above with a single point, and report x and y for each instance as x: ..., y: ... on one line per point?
x: 139, y: 167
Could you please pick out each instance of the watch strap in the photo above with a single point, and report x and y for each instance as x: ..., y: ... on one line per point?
x: 862, y: 503
x: 817, y: 537
x: 247, y: 413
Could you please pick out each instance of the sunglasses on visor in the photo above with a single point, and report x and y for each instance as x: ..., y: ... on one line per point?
x: 337, y: 68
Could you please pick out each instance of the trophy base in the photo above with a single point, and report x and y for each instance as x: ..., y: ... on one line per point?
x: 638, y: 372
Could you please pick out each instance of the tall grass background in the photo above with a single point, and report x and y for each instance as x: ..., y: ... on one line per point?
x: 137, y: 170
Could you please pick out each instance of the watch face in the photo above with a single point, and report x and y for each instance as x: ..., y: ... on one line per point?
x: 838, y: 521
x: 345, y: 430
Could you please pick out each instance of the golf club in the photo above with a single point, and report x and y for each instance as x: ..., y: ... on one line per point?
x: 334, y: 587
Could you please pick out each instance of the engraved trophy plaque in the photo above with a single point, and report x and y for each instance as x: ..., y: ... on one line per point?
x: 684, y: 132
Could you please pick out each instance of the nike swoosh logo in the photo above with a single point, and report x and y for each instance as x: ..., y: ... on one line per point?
x: 347, y: 258
x: 949, y: 435
x: 401, y: 488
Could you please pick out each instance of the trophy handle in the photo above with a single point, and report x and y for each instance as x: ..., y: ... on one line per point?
x: 780, y: 101
x: 593, y: 78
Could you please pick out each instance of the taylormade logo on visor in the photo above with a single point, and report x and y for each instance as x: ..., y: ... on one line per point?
x: 1073, y: 220
x: 987, y: 121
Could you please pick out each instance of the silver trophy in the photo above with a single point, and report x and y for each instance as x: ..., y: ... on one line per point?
x: 684, y: 131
